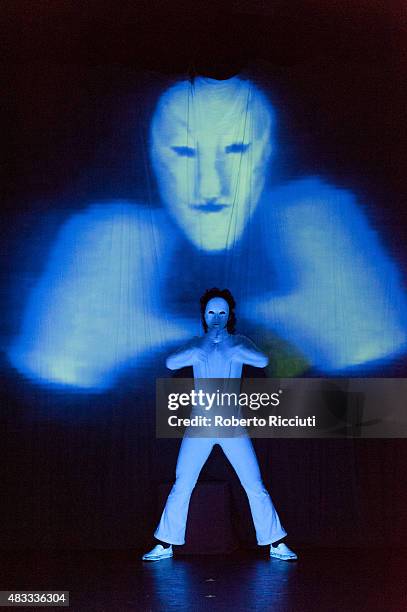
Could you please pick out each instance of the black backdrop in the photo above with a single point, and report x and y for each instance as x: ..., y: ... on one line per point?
x: 86, y: 475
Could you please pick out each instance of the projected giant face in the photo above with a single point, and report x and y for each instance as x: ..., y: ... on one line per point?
x: 210, y: 146
x: 317, y: 276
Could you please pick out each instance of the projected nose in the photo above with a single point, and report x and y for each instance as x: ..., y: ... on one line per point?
x: 209, y: 180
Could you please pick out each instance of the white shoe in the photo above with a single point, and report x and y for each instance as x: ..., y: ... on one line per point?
x: 282, y: 552
x: 157, y: 553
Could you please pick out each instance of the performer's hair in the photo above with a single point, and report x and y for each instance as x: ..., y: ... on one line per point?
x: 228, y: 297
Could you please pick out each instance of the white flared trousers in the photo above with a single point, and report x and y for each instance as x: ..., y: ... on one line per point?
x: 192, y: 456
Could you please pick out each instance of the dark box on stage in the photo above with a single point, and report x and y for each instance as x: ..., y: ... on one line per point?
x: 209, y: 526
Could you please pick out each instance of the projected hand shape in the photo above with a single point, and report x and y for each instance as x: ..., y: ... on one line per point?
x: 342, y: 301
x: 327, y: 285
x: 97, y: 306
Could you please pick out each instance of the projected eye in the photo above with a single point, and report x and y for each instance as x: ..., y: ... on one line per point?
x: 222, y: 312
x: 237, y: 147
x: 184, y: 151
x: 210, y: 311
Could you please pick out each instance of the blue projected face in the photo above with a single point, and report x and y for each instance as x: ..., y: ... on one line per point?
x: 210, y: 147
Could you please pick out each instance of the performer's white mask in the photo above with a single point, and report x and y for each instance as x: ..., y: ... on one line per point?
x: 210, y: 146
x: 217, y: 313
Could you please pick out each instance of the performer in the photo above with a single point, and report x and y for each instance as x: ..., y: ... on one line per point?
x: 220, y: 353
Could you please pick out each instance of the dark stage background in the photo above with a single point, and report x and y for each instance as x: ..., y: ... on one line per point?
x: 81, y: 470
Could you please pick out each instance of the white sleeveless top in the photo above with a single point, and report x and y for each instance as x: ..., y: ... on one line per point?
x: 218, y: 366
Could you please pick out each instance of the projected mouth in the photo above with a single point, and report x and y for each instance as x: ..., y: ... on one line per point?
x: 209, y: 208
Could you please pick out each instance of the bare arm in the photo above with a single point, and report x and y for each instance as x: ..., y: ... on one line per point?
x: 183, y: 357
x: 248, y: 353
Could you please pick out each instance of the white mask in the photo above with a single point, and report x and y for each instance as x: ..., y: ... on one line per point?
x: 210, y: 146
x: 216, y: 314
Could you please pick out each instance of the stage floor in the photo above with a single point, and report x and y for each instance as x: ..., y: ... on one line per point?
x: 345, y: 580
